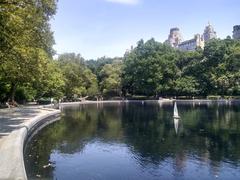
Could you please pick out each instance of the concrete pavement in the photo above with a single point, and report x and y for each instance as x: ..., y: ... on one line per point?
x: 15, y: 126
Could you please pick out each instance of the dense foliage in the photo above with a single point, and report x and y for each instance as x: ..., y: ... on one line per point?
x: 26, y: 47
x: 110, y: 79
x: 153, y: 68
x: 79, y: 80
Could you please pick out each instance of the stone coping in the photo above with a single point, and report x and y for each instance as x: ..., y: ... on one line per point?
x: 21, y: 122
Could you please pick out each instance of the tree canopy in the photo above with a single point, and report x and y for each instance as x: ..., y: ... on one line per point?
x: 79, y: 80
x: 26, y: 42
x: 153, y: 68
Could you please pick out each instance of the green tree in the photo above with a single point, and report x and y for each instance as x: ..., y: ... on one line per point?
x: 79, y: 80
x: 111, y: 79
x: 26, y: 39
x: 150, y: 69
x: 221, y: 66
x: 52, y: 82
x: 186, y: 85
x: 97, y: 65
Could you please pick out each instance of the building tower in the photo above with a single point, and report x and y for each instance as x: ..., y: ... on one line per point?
x: 236, y: 32
x: 174, y: 38
x: 209, y: 33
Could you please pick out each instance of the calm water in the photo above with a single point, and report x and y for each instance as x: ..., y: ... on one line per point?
x: 138, y: 141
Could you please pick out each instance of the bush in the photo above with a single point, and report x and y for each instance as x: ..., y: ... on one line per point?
x: 44, y: 101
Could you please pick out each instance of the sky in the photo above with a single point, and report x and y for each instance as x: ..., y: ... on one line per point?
x: 97, y: 28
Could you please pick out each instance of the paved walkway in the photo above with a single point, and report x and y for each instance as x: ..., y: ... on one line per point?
x: 12, y: 119
x: 14, y: 126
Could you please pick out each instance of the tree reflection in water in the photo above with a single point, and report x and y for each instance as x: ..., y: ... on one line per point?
x: 207, y: 139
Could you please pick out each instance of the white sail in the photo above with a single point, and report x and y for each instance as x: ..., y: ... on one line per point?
x: 175, y: 111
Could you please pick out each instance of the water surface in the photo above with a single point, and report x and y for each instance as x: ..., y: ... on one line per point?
x: 139, y: 141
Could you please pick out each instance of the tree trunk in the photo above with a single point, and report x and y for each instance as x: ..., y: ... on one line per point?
x: 12, y: 92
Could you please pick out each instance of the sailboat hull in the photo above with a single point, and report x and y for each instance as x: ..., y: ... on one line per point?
x: 176, y: 117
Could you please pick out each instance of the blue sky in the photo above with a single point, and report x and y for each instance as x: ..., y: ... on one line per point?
x: 96, y: 28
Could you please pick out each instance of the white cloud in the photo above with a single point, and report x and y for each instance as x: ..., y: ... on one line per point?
x: 130, y: 2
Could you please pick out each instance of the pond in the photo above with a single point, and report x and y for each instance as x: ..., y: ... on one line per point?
x: 138, y: 141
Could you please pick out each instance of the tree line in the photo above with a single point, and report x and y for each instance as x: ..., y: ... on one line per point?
x: 29, y: 72
x: 153, y: 68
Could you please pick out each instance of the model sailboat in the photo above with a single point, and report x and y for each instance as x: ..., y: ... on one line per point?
x: 176, y: 117
x: 175, y: 111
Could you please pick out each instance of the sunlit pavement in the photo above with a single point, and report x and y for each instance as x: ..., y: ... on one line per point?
x: 14, y: 126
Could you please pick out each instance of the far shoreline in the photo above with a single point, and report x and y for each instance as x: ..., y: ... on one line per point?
x: 127, y: 101
x: 55, y: 105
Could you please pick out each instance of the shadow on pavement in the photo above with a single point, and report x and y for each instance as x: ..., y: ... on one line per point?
x: 12, y: 119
